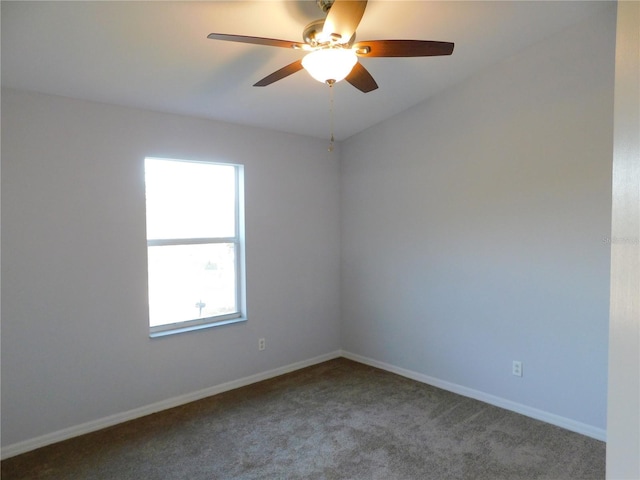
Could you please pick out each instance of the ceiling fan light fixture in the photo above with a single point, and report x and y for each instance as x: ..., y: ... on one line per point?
x: 330, y: 64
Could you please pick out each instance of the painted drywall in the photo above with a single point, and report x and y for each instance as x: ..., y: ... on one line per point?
x: 475, y: 230
x: 623, y: 419
x: 75, y: 342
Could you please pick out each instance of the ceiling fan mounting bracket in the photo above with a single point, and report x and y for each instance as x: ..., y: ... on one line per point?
x: 324, y: 5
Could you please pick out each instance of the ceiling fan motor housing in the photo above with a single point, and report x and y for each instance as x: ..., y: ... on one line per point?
x: 311, y: 31
x: 312, y: 35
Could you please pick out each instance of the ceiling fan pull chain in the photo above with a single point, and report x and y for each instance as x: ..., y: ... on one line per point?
x: 331, y: 140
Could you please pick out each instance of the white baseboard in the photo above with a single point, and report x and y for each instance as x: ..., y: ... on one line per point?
x: 94, y: 425
x: 557, y: 420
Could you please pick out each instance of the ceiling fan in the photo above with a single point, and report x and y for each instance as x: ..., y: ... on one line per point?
x: 332, y: 52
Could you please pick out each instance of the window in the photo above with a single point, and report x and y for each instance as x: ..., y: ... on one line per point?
x: 194, y: 244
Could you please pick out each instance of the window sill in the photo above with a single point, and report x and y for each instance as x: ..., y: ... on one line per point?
x: 192, y: 328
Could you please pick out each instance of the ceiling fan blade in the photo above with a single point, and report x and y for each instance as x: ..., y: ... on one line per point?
x: 402, y: 48
x: 361, y: 79
x: 280, y: 74
x: 343, y: 18
x: 270, y: 42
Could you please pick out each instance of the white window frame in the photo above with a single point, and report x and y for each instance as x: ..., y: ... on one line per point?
x: 238, y: 241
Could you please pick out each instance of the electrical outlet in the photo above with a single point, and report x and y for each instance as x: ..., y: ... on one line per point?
x: 516, y: 368
x: 261, y: 344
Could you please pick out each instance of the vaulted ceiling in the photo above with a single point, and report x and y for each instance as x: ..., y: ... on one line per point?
x: 156, y: 55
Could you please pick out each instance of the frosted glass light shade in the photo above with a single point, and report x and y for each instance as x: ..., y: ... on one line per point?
x: 330, y: 63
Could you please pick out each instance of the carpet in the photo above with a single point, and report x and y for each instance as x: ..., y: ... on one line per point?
x: 336, y: 420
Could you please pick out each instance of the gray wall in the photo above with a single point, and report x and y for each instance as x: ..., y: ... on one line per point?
x: 474, y: 230
x: 471, y: 231
x: 75, y: 344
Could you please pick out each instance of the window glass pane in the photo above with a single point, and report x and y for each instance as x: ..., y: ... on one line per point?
x: 189, y: 199
x: 188, y: 282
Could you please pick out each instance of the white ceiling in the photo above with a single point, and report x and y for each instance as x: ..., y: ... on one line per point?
x: 155, y: 55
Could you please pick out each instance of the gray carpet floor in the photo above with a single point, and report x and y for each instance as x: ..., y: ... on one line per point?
x: 336, y: 420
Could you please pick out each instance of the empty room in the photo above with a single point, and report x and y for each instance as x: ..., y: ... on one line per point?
x: 322, y: 239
